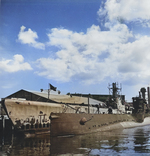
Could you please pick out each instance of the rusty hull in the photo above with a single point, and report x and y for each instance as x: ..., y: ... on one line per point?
x: 32, y: 117
x: 75, y: 124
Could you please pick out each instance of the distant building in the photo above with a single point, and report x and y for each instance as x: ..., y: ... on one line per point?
x: 53, y: 98
x: 98, y: 97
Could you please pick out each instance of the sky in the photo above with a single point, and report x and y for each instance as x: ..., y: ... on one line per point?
x: 77, y: 46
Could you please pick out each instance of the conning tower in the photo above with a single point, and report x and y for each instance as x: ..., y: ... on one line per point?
x: 114, y: 95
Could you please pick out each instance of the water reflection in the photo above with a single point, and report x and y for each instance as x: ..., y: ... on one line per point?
x: 135, y: 141
x: 141, y: 140
x: 20, y: 146
x: 83, y: 144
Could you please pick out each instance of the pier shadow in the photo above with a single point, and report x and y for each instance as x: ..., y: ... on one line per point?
x: 21, y: 146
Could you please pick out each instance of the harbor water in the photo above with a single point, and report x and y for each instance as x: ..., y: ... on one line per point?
x: 133, y: 141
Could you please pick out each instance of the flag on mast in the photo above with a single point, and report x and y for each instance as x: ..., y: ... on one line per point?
x: 52, y: 87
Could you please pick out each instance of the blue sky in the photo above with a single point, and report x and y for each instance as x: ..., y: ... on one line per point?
x: 77, y: 46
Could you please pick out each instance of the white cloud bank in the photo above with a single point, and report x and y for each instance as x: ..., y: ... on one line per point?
x: 88, y: 57
x: 129, y: 10
x: 29, y: 37
x: 96, y: 55
x: 14, y: 65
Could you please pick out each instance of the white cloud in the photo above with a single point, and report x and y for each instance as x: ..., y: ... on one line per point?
x: 29, y: 37
x: 83, y: 56
x: 14, y: 65
x: 132, y: 10
x: 135, y: 59
x: 97, y: 55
